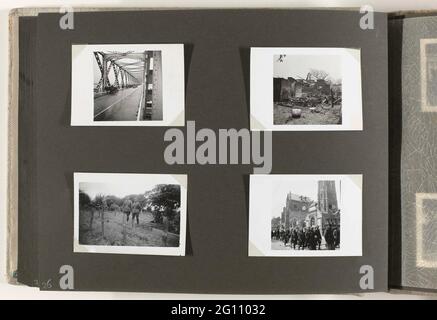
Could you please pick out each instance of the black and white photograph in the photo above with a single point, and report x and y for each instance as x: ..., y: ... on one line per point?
x: 307, y: 90
x: 128, y: 85
x: 130, y: 213
x: 304, y: 89
x: 426, y: 230
x: 428, y: 57
x: 305, y: 215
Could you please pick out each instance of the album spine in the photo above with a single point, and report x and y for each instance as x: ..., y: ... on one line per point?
x: 395, y: 142
x: 12, y: 164
x: 22, y: 265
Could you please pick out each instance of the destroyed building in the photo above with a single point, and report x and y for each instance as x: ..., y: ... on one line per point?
x: 336, y: 88
x: 289, y: 88
x: 283, y: 89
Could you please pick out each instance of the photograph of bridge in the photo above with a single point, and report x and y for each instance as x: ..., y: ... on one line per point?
x: 127, y: 85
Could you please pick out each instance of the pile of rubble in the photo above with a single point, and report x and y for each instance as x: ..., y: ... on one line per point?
x: 315, y: 104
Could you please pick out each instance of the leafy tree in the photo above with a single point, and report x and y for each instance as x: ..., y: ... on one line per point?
x: 99, y: 202
x: 276, y: 222
x: 165, y: 195
x: 165, y: 198
x: 84, y: 200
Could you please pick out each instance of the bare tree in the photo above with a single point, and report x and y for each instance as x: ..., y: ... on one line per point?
x: 319, y: 74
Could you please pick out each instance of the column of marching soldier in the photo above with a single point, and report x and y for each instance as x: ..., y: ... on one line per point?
x: 309, y: 238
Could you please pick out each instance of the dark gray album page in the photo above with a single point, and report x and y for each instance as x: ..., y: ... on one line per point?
x: 217, y: 50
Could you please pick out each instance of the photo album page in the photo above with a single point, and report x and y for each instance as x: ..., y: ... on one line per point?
x: 205, y: 151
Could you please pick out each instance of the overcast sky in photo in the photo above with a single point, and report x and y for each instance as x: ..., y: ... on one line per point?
x: 119, y: 190
x: 307, y: 188
x: 298, y: 66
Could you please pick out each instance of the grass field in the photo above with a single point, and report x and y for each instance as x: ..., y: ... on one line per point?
x: 119, y: 232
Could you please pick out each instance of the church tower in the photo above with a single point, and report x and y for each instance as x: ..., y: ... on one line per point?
x: 327, y: 196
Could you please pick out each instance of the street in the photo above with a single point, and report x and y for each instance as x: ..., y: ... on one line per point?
x: 279, y: 245
x: 121, y: 106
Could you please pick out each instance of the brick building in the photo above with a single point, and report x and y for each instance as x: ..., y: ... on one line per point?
x: 302, y: 211
x: 295, y: 211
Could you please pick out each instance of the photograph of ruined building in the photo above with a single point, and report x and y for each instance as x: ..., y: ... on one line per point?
x: 127, y: 86
x: 307, y: 90
x: 307, y: 216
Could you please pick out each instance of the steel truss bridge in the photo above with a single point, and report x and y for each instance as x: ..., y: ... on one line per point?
x: 126, y: 73
x: 125, y: 89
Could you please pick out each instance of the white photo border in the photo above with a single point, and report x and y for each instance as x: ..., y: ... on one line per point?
x: 173, y: 84
x: 124, y: 178
x: 261, y: 89
x: 421, y: 262
x: 260, y: 215
x: 425, y: 107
